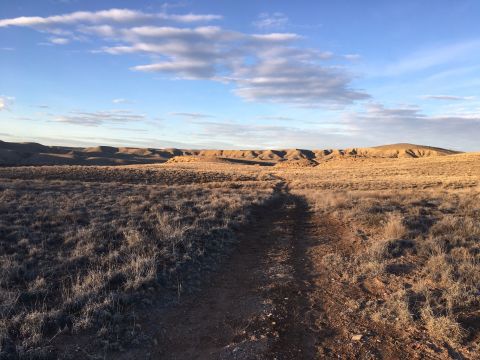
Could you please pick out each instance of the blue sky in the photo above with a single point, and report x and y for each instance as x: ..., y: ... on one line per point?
x: 250, y: 74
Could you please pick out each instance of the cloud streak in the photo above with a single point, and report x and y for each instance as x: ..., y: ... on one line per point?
x: 121, y: 101
x: 275, y: 118
x: 119, y: 16
x: 98, y: 118
x: 431, y: 58
x: 447, y: 97
x: 190, y: 115
x: 267, y: 21
x: 60, y: 41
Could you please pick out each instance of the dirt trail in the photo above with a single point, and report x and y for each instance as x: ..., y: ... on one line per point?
x: 251, y: 307
x: 272, y: 299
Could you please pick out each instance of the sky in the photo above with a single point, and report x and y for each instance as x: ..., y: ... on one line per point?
x: 240, y: 74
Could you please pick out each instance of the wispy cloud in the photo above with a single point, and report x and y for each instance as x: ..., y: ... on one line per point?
x: 410, y: 124
x: 352, y: 57
x: 99, y: 117
x: 190, y: 115
x: 447, y: 97
x: 276, y: 118
x: 104, y: 16
x: 95, y: 140
x: 431, y: 57
x: 59, y: 41
x: 267, y: 67
x: 268, y: 136
x: 268, y: 21
x: 122, y: 101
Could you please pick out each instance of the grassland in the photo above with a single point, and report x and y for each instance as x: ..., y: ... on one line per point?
x: 413, y: 257
x: 82, y: 249
x: 453, y: 171
x: 409, y: 252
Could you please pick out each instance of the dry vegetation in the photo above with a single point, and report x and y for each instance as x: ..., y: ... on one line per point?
x: 411, y: 255
x: 136, y: 174
x: 83, y: 254
x: 84, y: 247
x: 453, y: 171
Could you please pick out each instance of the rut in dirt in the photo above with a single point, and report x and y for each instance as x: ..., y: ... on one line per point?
x: 256, y: 306
x: 298, y: 334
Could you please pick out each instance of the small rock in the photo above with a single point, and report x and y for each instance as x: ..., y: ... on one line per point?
x: 357, y: 337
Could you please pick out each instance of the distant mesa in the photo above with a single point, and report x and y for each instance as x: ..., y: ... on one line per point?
x: 409, y: 150
x: 18, y: 154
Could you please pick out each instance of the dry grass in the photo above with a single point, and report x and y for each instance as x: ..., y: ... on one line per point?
x: 423, y: 247
x: 162, y: 174
x: 454, y: 172
x: 81, y: 247
x: 81, y: 254
x: 414, y: 246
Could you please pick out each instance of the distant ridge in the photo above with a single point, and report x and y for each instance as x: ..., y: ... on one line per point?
x: 14, y: 154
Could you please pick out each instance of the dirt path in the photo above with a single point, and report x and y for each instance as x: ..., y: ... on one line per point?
x: 272, y: 299
x: 251, y: 308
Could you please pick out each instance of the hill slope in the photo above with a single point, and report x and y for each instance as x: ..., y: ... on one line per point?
x: 36, y: 154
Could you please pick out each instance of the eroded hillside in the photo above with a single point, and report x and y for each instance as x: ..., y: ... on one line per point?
x: 15, y: 154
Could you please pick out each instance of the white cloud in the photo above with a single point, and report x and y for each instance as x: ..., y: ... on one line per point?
x: 59, y: 41
x: 286, y: 81
x: 99, y: 30
x: 188, y: 69
x: 99, y: 117
x: 273, y: 37
x: 6, y: 102
x: 447, y: 97
x: 188, y: 18
x: 269, y: 21
x: 267, y: 67
x: 250, y: 62
x: 109, y: 16
x: 121, y: 101
x: 352, y: 57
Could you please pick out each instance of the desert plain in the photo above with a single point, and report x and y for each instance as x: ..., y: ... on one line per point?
x: 128, y: 253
